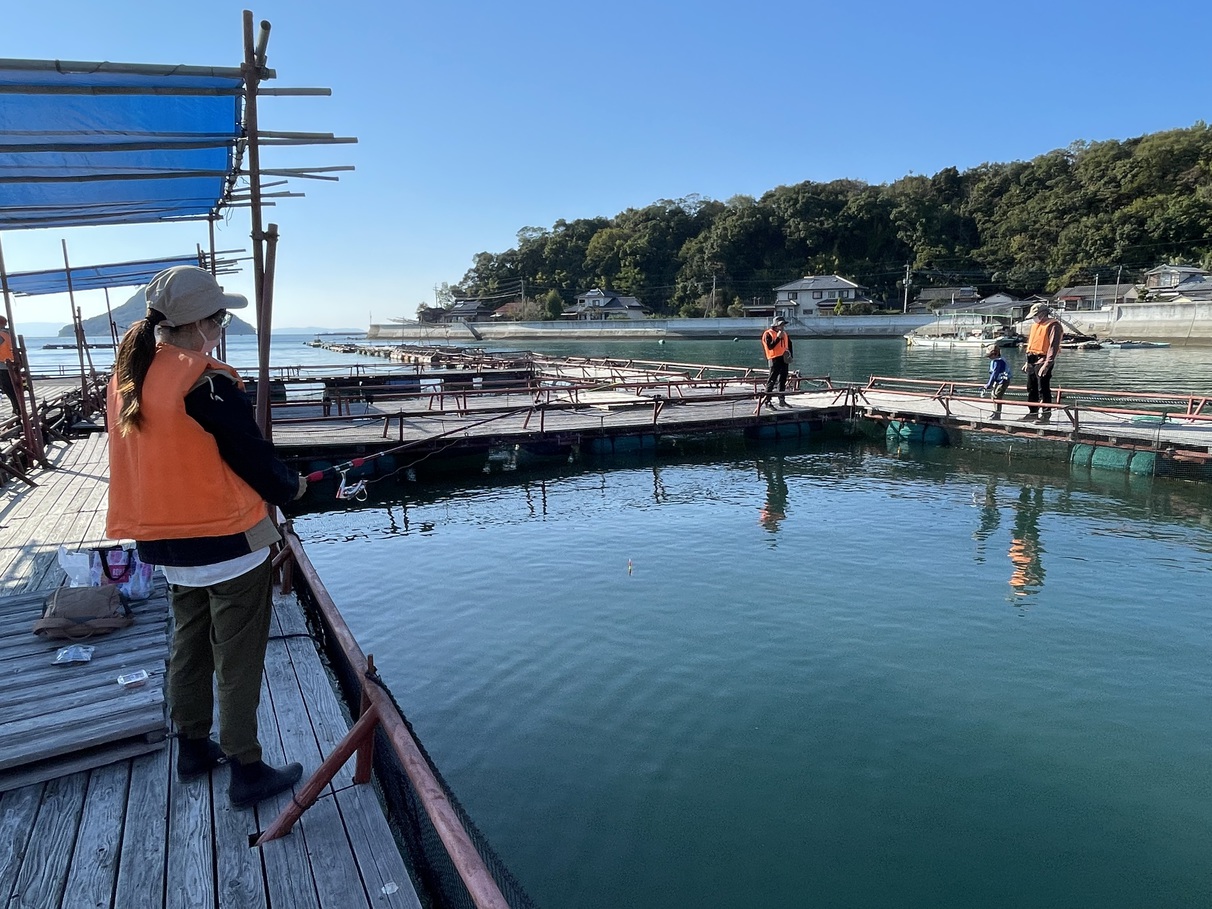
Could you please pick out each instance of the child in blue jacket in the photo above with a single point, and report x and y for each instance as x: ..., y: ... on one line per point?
x: 999, y: 379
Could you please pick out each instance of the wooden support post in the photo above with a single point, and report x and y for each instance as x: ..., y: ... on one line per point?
x: 306, y: 797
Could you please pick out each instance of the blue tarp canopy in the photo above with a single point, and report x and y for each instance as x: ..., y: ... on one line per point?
x: 106, y: 143
x: 94, y: 277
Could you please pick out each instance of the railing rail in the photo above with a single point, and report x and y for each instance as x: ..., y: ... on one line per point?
x: 471, y: 868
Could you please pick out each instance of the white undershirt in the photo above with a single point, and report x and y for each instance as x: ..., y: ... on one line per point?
x: 215, y: 573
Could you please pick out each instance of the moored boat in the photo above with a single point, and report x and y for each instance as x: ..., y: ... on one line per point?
x: 960, y: 330
x: 1135, y: 345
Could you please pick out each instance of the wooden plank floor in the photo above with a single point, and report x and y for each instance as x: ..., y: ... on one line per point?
x: 129, y: 834
x: 507, y: 419
x: 597, y: 413
x: 1092, y: 424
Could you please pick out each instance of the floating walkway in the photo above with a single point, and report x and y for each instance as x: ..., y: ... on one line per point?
x: 126, y: 833
x: 449, y: 407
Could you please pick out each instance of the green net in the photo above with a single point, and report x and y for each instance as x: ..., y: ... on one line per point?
x: 437, y: 882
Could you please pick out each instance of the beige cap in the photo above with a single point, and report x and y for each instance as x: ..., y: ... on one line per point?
x: 186, y: 293
x: 1039, y: 309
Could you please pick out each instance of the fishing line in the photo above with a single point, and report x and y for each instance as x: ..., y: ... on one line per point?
x: 357, y: 490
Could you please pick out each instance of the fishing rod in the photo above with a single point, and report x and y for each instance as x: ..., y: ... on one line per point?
x: 357, y: 490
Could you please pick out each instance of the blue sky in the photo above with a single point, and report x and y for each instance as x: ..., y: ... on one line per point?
x: 476, y: 119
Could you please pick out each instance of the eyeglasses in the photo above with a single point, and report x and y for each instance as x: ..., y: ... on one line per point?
x: 221, y: 318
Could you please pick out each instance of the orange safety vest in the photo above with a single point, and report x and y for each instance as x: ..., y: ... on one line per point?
x: 6, y: 345
x: 167, y: 480
x: 779, y: 348
x: 1038, y: 339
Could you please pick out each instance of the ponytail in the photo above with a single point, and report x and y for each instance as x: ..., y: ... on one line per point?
x: 131, y: 364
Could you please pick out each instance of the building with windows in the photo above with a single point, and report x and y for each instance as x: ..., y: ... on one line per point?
x: 813, y: 295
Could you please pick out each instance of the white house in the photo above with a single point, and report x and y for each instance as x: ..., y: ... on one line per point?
x: 598, y: 305
x: 813, y: 293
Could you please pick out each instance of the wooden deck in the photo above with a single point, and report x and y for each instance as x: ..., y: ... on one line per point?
x: 127, y: 833
x: 1176, y: 434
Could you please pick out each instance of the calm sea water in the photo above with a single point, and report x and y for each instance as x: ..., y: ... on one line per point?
x: 834, y: 674
x: 830, y: 674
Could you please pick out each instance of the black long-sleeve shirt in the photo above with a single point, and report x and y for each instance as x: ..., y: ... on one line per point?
x: 222, y: 409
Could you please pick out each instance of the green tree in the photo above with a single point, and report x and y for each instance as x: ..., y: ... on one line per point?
x: 553, y: 305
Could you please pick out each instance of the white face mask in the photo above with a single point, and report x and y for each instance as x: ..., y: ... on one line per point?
x: 208, y: 343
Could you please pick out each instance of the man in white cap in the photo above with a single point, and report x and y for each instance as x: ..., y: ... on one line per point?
x: 1043, y: 344
x: 776, y: 345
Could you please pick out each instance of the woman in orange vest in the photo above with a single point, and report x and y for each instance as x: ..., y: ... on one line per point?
x: 190, y: 474
x: 6, y: 356
x: 777, y: 347
x: 1043, y: 344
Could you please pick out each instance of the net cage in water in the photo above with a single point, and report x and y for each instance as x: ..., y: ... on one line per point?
x: 435, y: 877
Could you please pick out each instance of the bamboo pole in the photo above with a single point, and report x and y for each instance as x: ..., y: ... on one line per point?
x: 71, y: 296
x: 264, y: 326
x: 251, y: 73
x: 113, y: 329
x: 19, y: 373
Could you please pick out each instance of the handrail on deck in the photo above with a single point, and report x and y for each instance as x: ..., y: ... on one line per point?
x: 379, y: 709
x: 1071, y: 401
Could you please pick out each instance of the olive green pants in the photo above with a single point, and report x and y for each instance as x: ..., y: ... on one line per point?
x: 221, y: 632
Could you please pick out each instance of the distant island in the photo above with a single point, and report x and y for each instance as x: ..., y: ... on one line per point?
x: 132, y: 311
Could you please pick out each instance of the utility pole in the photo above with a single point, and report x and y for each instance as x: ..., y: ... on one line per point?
x: 906, y: 309
x: 1094, y: 305
x: 1118, y: 272
x: 713, y: 295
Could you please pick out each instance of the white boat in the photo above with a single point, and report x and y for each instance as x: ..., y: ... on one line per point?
x: 965, y: 330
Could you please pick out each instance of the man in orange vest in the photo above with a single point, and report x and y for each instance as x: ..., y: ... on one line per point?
x: 6, y: 359
x: 1043, y: 344
x: 776, y: 345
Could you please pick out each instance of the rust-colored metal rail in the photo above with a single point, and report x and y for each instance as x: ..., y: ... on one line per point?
x: 379, y: 709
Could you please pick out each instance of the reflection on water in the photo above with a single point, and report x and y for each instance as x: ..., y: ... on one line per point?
x: 774, y: 508
x: 1025, y: 548
x: 804, y: 674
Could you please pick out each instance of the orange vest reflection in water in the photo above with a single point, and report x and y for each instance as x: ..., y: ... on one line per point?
x: 1028, y: 574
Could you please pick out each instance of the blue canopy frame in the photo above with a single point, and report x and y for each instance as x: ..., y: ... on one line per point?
x: 85, y: 144
x: 96, y: 277
x: 104, y: 143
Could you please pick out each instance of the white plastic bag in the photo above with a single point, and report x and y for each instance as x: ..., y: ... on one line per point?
x: 123, y: 568
x: 76, y: 565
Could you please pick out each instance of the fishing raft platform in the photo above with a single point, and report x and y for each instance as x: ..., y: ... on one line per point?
x: 451, y: 405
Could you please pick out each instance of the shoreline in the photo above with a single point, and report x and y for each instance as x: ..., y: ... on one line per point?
x: 1173, y: 322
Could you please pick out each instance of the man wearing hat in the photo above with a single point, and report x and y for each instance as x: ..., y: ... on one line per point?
x: 1043, y: 344
x: 776, y: 345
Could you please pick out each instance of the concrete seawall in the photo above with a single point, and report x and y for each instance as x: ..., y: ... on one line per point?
x: 1174, y: 322
x: 891, y: 326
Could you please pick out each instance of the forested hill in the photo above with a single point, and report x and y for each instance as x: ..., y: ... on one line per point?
x: 1023, y: 227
